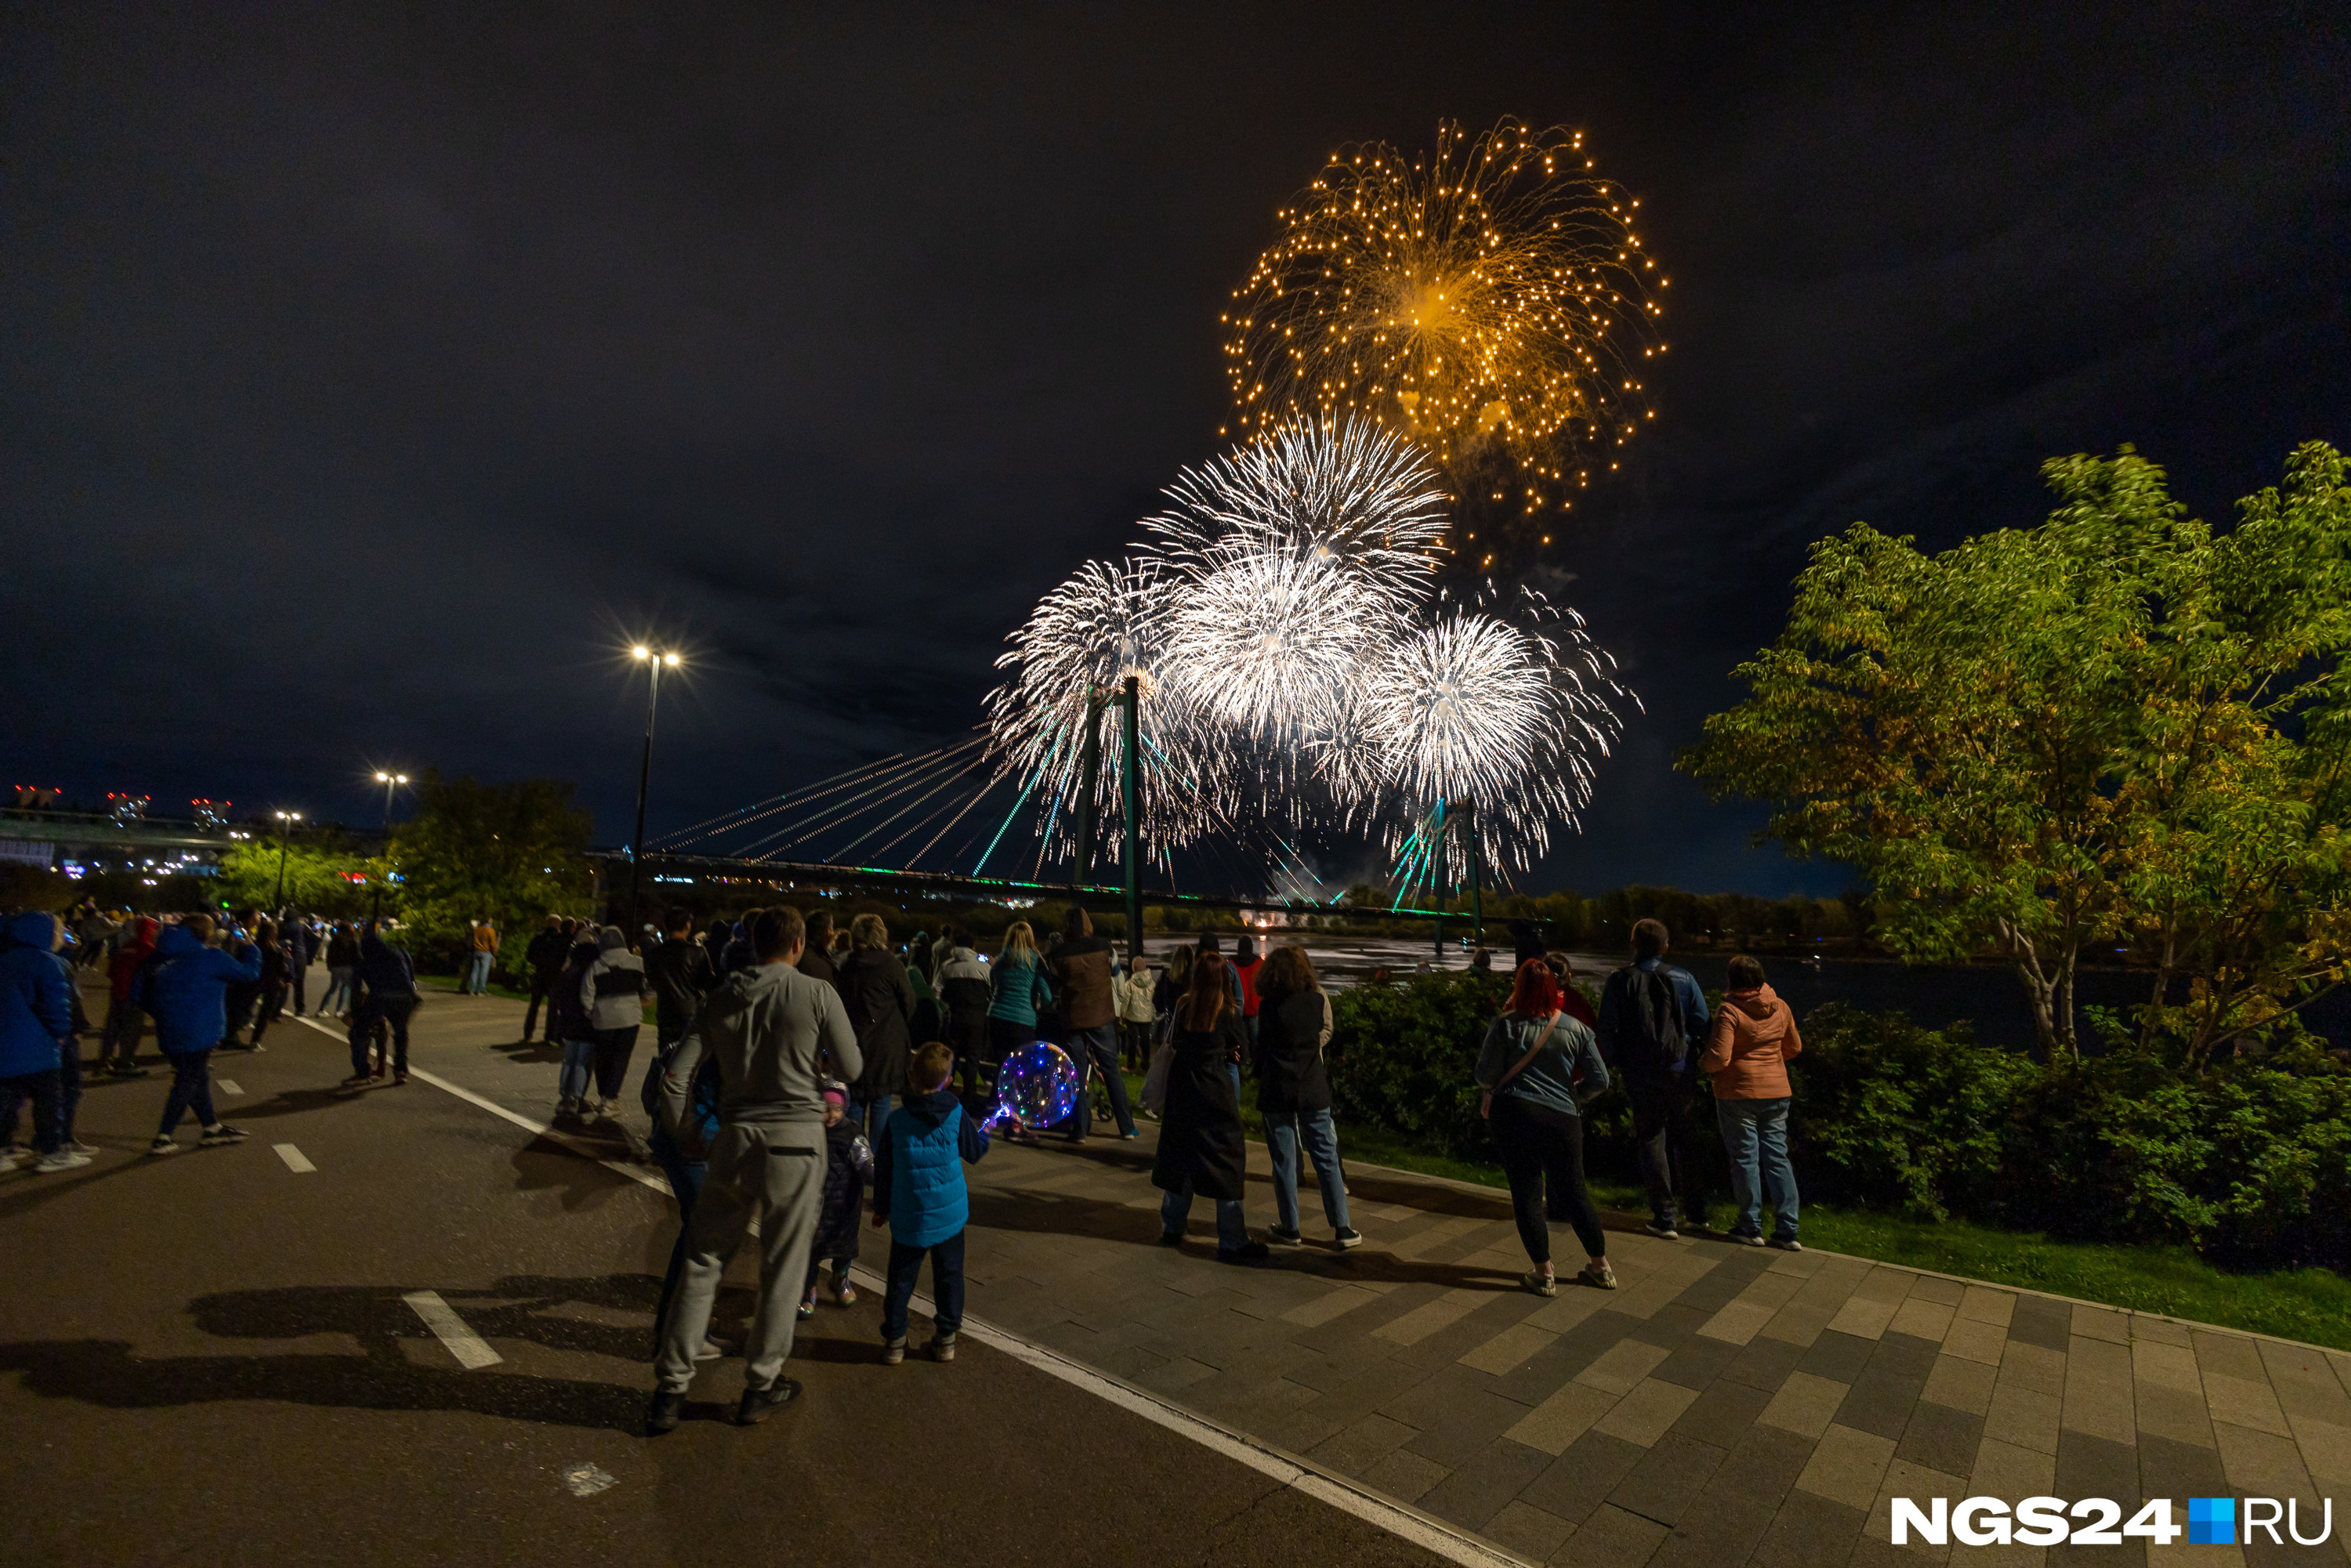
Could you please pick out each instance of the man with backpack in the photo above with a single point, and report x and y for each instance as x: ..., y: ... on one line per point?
x: 1653, y: 1018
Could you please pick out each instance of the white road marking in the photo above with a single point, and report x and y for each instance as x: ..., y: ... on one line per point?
x: 227, y: 1086
x: 467, y: 1346
x: 295, y: 1160
x: 1328, y: 1486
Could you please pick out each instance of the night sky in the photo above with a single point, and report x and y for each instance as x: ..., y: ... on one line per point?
x: 366, y: 384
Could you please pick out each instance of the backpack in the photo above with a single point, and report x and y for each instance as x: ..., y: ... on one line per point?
x: 1649, y: 1029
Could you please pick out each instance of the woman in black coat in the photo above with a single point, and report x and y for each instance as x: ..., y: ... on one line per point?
x: 880, y: 1001
x: 1293, y: 1092
x: 1202, y: 1151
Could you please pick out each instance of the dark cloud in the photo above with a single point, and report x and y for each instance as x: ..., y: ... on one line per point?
x: 371, y: 377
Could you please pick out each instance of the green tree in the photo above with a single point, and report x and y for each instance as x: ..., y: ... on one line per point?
x: 515, y: 852
x: 2117, y: 726
x: 324, y: 877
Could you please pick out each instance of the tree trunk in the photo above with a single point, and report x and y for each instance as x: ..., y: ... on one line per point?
x: 2038, y: 989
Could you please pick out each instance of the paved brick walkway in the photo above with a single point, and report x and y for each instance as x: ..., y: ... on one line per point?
x: 1725, y: 1407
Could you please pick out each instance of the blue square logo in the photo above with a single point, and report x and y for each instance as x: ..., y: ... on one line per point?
x: 2211, y: 1522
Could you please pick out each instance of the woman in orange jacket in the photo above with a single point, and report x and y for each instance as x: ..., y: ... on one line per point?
x: 1746, y: 1053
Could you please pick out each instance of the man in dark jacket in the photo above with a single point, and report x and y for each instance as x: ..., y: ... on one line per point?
x: 388, y: 996
x: 1081, y: 969
x: 680, y: 975
x: 185, y: 992
x: 961, y: 986
x: 1653, y: 1024
x: 816, y: 959
x: 545, y: 958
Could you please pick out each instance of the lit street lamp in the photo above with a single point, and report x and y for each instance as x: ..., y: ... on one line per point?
x: 654, y: 661
x: 390, y: 781
x: 285, y: 836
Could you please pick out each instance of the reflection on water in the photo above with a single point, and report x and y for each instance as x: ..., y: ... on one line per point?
x: 1935, y: 995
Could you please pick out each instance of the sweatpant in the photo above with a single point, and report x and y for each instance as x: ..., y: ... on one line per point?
x: 946, y: 1285
x: 613, y: 1049
x: 392, y: 1010
x: 773, y: 1172
x: 1543, y: 1155
x: 191, y: 1089
x: 41, y: 1089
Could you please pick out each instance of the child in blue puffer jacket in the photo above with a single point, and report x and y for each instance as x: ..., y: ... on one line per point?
x: 919, y: 1193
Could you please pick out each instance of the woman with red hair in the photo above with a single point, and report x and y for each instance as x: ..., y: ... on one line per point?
x: 1535, y: 1056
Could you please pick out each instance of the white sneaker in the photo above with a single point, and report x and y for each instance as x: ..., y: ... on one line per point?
x: 63, y: 1160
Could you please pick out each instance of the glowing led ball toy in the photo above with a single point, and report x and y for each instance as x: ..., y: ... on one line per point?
x: 1037, y: 1086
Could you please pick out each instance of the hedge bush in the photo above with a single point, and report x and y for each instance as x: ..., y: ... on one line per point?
x: 2250, y: 1162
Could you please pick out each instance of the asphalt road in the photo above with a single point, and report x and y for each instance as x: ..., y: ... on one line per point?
x: 209, y: 1359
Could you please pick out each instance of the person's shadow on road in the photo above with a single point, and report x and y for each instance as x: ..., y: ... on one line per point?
x: 391, y: 1370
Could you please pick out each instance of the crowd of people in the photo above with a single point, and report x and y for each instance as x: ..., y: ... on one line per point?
x: 796, y: 1066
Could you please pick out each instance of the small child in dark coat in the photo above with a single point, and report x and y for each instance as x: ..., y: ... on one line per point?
x: 847, y: 1158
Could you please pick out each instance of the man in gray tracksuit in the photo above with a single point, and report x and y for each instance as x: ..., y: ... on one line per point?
x: 777, y: 1035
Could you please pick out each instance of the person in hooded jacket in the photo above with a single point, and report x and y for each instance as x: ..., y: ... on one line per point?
x: 342, y: 968
x: 1293, y: 1092
x: 386, y: 980
x: 614, y: 991
x: 544, y: 958
x: 1748, y: 1049
x: 880, y: 998
x: 572, y: 1022
x: 961, y: 983
x: 1203, y: 1152
x: 185, y: 992
x: 919, y: 1193
x: 119, y: 1047
x: 840, y: 1212
x: 680, y: 975
x: 36, y: 1030
x: 1086, y: 969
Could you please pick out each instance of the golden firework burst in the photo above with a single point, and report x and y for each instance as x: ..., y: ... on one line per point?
x: 1491, y: 300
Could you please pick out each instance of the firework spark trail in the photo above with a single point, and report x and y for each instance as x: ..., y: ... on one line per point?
x: 1491, y: 300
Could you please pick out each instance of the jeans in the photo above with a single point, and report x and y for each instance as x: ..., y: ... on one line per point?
x: 1661, y: 1134
x: 1095, y: 1052
x: 613, y: 1049
x: 299, y: 975
x: 685, y: 1179
x: 338, y: 996
x: 191, y: 1089
x: 391, y: 1011
x: 1755, y: 1136
x: 477, y: 976
x: 573, y: 1079
x: 1543, y: 1155
x: 272, y: 1007
x: 1282, y: 1136
x: 41, y: 1089
x: 947, y: 1286
x: 1176, y: 1210
x: 68, y: 1086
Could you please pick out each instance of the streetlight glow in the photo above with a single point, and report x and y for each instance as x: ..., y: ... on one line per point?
x: 670, y: 659
x: 640, y: 652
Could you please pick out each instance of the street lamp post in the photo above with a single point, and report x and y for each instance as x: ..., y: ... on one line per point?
x: 390, y: 781
x: 284, y: 835
x: 652, y: 661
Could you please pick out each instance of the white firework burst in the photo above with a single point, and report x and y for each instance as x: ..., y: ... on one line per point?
x: 1263, y: 638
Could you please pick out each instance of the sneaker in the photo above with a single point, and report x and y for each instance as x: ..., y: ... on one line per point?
x: 893, y: 1351
x: 356, y: 1078
x: 1281, y: 1238
x: 1746, y: 1238
x: 942, y: 1348
x: 759, y: 1403
x: 1537, y: 1283
x: 399, y: 1078
x: 63, y: 1160
x: 1599, y: 1276
x: 1246, y: 1252
x: 711, y: 1350
x: 1347, y: 1236
x: 127, y: 1071
x: 222, y: 1133
x: 1663, y: 1229
x: 566, y: 1107
x: 661, y: 1416
x: 1786, y: 1244
x: 75, y: 1146
x: 1129, y: 1137
x: 163, y: 1145
x: 843, y: 1293
x: 807, y: 1306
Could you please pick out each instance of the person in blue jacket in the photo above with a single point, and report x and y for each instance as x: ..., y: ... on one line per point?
x: 35, y: 1019
x: 185, y: 992
x: 919, y: 1193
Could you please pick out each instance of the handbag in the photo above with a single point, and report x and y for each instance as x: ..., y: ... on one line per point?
x: 1154, y: 1082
